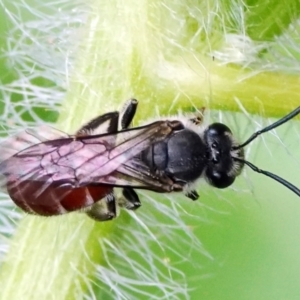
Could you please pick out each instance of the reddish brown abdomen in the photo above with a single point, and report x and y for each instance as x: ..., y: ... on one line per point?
x: 33, y: 198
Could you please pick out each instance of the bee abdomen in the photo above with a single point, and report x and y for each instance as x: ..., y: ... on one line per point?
x: 31, y: 197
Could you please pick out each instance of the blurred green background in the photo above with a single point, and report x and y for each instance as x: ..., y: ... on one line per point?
x: 240, y: 243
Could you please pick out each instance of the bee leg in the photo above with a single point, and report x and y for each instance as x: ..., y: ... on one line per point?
x: 180, y: 184
x: 192, y: 195
x: 131, y: 199
x: 98, y: 125
x: 103, y: 210
x: 128, y: 113
x: 198, y: 119
x: 101, y: 124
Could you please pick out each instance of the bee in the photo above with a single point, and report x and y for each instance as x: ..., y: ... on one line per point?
x: 55, y: 173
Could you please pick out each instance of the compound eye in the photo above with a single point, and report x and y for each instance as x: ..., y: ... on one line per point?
x: 217, y: 130
x: 219, y: 180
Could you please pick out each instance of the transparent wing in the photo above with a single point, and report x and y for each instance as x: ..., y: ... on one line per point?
x: 69, y: 163
x: 28, y: 138
x: 139, y: 176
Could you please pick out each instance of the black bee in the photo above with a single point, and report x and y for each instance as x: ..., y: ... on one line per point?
x: 55, y: 173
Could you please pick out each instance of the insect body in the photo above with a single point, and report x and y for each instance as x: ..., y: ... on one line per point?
x: 61, y: 173
x: 55, y: 176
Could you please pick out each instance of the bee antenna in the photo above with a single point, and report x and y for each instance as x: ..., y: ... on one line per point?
x: 271, y: 175
x: 288, y: 117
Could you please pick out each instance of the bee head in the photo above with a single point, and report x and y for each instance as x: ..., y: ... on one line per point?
x: 222, y: 168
